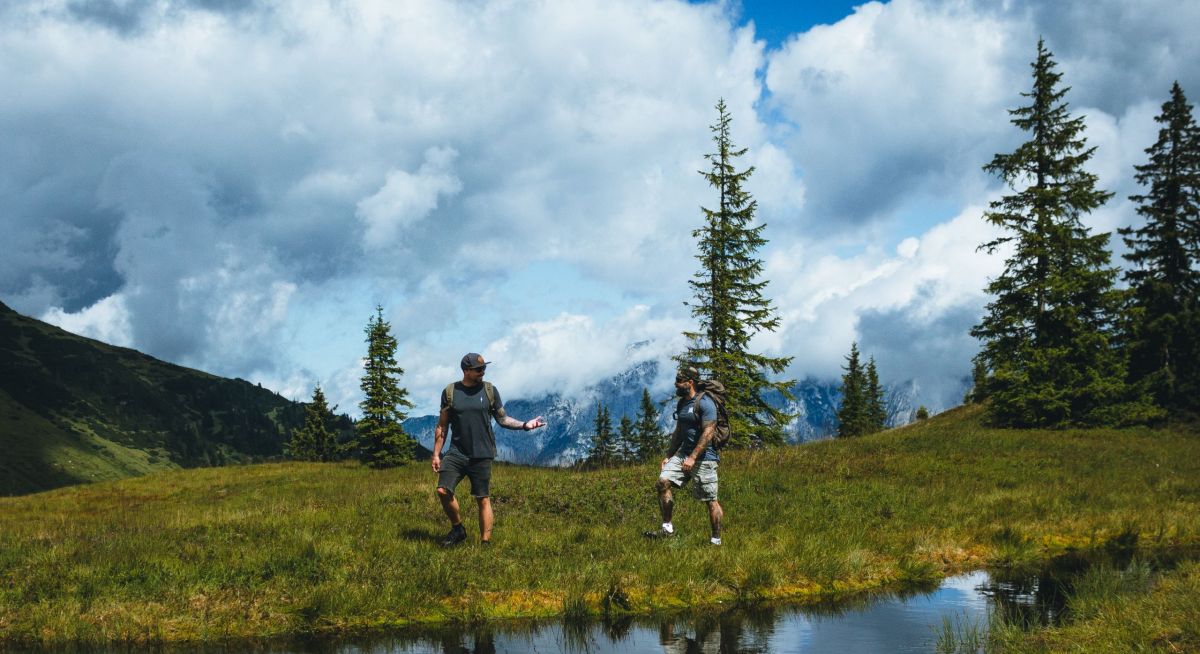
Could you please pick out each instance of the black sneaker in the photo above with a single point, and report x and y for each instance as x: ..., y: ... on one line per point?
x: 485, y: 543
x: 457, y: 535
x: 658, y: 533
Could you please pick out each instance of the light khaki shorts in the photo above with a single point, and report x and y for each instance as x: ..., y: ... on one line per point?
x: 705, y: 473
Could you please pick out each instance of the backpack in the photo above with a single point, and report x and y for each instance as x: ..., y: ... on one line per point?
x: 487, y: 389
x: 716, y: 392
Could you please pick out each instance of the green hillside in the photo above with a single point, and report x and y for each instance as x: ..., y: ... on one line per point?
x: 298, y: 548
x: 77, y: 410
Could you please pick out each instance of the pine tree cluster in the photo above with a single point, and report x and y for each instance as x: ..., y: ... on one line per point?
x: 863, y: 410
x: 636, y: 440
x: 316, y: 439
x: 1062, y: 345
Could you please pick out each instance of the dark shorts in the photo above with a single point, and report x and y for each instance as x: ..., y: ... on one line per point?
x: 455, y: 466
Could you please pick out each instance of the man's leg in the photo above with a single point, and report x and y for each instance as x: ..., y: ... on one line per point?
x: 485, y: 518
x: 714, y: 518
x: 448, y: 478
x: 666, y: 501
x: 450, y: 505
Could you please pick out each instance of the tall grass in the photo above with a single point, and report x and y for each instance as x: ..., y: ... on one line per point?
x: 302, y: 548
x: 1114, y: 610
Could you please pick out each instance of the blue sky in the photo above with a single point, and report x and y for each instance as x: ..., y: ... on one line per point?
x: 234, y: 186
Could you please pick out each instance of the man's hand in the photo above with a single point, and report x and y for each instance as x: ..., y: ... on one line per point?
x: 689, y: 463
x: 436, y: 462
x: 664, y: 463
x: 536, y: 423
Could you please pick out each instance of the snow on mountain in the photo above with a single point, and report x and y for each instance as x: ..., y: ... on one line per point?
x: 569, y: 420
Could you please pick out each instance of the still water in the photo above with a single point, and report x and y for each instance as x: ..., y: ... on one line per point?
x: 889, y: 623
x: 900, y: 622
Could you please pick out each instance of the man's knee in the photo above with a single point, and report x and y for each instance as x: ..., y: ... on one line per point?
x: 444, y: 493
x: 662, y: 486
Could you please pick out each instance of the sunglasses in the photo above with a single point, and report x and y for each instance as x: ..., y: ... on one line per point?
x: 480, y: 369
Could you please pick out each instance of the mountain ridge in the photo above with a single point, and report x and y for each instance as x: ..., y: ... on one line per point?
x: 567, y: 436
x: 74, y: 409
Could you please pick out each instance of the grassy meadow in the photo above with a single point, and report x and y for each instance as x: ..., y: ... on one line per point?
x: 297, y: 548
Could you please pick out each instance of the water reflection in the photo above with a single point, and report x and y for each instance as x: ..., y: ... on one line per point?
x: 895, y: 623
x: 904, y: 622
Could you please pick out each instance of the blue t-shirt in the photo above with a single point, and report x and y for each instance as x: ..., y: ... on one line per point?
x: 685, y: 416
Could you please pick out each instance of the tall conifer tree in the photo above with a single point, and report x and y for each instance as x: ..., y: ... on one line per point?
x: 604, y: 448
x: 854, y: 415
x: 649, y: 436
x: 382, y: 441
x: 729, y: 301
x: 1047, y: 335
x: 1164, y: 349
x: 876, y: 406
x: 626, y: 440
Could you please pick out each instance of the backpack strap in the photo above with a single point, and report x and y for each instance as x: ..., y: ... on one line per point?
x: 487, y: 390
x: 696, y: 407
x: 491, y: 396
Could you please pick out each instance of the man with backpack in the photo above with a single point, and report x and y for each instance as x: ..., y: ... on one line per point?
x: 692, y: 453
x: 467, y: 411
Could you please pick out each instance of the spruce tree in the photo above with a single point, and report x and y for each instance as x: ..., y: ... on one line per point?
x: 626, y: 441
x: 1164, y: 354
x: 1047, y: 334
x: 876, y: 407
x: 302, y: 444
x: 854, y: 415
x: 729, y: 301
x: 603, y: 447
x: 382, y: 441
x: 650, y: 444
x: 315, y: 441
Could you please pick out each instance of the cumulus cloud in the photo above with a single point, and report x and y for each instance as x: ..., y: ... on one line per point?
x: 106, y: 320
x: 929, y: 281
x: 407, y: 198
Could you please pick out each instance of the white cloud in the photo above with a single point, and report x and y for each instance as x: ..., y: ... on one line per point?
x: 106, y: 320
x: 932, y: 275
x: 407, y: 198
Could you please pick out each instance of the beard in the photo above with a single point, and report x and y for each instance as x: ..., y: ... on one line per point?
x: 681, y: 391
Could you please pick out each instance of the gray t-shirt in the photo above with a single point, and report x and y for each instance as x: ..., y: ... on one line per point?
x: 685, y: 414
x: 471, y: 420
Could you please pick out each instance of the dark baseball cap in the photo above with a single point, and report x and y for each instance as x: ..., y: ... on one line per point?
x: 688, y: 372
x: 473, y: 360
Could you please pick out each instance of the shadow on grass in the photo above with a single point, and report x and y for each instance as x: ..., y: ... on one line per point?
x: 423, y: 534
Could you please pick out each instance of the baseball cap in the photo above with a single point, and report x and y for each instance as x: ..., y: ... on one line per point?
x: 473, y: 360
x: 689, y: 372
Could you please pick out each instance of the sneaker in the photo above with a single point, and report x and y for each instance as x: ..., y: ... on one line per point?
x: 485, y: 543
x: 658, y: 533
x: 714, y: 541
x: 457, y: 535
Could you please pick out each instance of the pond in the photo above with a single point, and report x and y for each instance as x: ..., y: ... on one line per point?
x: 892, y: 623
x: 883, y: 622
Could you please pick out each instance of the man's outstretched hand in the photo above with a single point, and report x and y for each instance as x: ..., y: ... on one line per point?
x: 536, y: 423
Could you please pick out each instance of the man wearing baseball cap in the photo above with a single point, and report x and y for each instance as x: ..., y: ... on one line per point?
x: 468, y: 407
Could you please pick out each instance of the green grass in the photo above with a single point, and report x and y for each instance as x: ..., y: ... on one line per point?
x: 1114, y: 611
x: 287, y: 549
x: 41, y: 454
